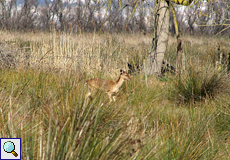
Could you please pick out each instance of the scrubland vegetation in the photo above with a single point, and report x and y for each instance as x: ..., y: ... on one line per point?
x: 42, y: 98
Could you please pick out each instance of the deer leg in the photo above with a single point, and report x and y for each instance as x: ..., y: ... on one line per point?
x: 114, y: 98
x: 110, y: 97
x: 89, y: 94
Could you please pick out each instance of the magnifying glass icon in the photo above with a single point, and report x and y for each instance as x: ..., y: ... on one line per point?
x: 9, y: 147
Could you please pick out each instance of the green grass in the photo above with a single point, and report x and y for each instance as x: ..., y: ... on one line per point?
x: 199, y: 84
x: 45, y: 106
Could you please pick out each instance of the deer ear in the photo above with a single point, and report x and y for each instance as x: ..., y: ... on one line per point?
x: 121, y: 71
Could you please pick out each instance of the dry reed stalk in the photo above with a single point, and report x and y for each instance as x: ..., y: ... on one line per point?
x: 89, y: 53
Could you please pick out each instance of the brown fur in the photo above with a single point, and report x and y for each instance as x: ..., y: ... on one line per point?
x: 110, y: 87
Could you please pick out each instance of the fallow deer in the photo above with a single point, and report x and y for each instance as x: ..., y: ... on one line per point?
x: 110, y: 87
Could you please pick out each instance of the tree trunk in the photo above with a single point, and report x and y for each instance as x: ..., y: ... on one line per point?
x: 160, y: 40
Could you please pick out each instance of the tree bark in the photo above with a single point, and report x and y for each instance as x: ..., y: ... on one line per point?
x: 160, y: 41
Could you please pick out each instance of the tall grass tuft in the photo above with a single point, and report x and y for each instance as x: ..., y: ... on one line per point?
x: 197, y: 84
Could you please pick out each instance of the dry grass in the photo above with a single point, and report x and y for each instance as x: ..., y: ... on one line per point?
x: 87, y: 52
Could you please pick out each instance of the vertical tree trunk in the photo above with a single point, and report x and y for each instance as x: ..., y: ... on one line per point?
x: 160, y: 41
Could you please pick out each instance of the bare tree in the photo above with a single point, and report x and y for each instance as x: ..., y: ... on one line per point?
x: 156, y: 56
x: 210, y: 17
x: 27, y: 15
x: 8, y: 14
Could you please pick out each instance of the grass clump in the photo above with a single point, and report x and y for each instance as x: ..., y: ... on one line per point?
x: 197, y: 84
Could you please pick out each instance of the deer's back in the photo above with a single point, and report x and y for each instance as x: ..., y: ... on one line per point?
x: 101, y: 84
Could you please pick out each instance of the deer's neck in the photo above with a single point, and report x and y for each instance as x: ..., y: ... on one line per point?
x: 119, y: 82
